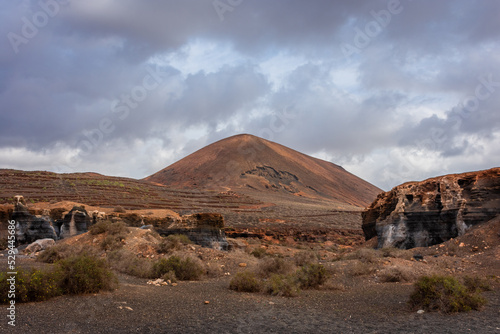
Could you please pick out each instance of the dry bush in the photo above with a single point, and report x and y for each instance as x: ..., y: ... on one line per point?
x: 395, y: 274
x: 213, y: 270
x: 119, y: 209
x: 366, y: 255
x: 184, y: 269
x: 311, y: 276
x: 359, y: 268
x: 85, y: 274
x: 128, y: 263
x: 173, y: 242
x: 305, y: 257
x: 444, y: 294
x: 245, y: 281
x: 259, y: 252
x: 269, y: 266
x: 396, y: 253
x: 282, y: 285
x: 63, y: 251
x: 170, y: 276
x: 119, y: 228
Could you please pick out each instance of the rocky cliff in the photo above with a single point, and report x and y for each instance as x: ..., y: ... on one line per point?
x: 205, y: 229
x: 419, y: 214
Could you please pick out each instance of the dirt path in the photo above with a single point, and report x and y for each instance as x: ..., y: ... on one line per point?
x: 140, y: 308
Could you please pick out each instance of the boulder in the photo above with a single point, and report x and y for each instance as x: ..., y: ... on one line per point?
x: 75, y: 222
x: 39, y: 245
x: 421, y: 214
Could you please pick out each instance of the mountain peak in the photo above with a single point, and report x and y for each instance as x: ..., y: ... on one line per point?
x: 247, y: 163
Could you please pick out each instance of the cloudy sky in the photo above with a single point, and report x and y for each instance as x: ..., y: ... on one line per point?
x: 391, y: 90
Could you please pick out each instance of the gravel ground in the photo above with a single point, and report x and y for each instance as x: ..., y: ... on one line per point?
x: 140, y: 308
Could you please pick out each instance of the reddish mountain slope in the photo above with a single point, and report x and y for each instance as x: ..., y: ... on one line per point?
x: 249, y: 164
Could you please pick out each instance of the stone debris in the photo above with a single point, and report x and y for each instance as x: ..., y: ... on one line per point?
x: 160, y: 282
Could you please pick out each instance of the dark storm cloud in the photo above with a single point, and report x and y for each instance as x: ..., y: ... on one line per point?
x: 90, y: 61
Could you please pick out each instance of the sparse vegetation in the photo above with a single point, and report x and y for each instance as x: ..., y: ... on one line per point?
x: 119, y: 209
x: 394, y: 274
x: 60, y: 252
x: 31, y: 286
x: 128, y: 263
x: 311, y: 276
x: 75, y: 275
x: 445, y: 294
x: 245, y: 281
x: 85, y: 274
x: 270, y: 266
x: 283, y: 285
x: 305, y: 257
x: 173, y: 242
x: 184, y: 269
x: 259, y: 252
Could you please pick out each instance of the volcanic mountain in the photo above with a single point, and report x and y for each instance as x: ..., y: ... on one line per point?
x: 249, y: 164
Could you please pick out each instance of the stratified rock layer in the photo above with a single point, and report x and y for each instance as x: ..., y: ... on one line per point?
x: 30, y: 227
x: 205, y: 229
x: 420, y: 214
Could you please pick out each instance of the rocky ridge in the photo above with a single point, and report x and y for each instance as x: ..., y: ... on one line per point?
x: 420, y: 214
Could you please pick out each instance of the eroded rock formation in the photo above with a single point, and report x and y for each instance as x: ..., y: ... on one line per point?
x: 205, y: 229
x: 419, y: 214
x: 30, y: 227
x: 75, y: 222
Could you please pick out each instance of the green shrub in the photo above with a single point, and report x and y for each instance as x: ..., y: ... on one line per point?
x: 259, y: 252
x: 184, y: 269
x: 445, y: 294
x: 282, y: 285
x: 245, y: 281
x: 30, y: 286
x: 85, y: 274
x: 270, y: 266
x: 311, y: 276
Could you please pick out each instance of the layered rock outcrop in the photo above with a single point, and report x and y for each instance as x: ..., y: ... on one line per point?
x: 420, y: 214
x: 76, y: 221
x: 205, y: 229
x: 30, y: 227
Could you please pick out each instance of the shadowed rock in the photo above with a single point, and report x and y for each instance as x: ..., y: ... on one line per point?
x: 30, y: 227
x: 420, y: 214
x: 75, y: 222
x: 205, y: 229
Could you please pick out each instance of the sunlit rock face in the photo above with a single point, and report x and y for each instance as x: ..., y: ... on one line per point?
x: 420, y: 214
